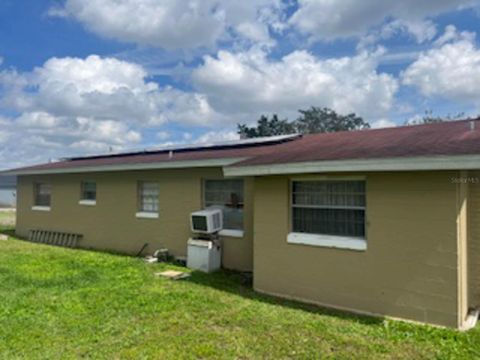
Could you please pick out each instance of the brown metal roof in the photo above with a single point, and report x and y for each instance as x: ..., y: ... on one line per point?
x: 211, y: 152
x: 445, y: 138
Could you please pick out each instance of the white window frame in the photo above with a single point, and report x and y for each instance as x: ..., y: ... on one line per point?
x: 41, y: 208
x: 236, y: 233
x: 141, y: 213
x: 232, y: 233
x: 87, y: 202
x: 146, y: 215
x: 326, y: 240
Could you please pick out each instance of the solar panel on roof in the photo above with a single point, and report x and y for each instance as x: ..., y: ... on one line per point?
x: 197, y: 147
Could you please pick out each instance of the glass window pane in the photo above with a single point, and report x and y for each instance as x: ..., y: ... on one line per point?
x: 89, y: 190
x: 339, y: 222
x: 42, y: 194
x: 329, y: 193
x: 329, y: 207
x: 148, y: 194
x: 226, y: 195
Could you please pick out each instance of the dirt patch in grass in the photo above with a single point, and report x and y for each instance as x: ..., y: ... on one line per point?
x: 7, y: 217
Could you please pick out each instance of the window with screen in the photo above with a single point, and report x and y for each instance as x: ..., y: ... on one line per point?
x: 89, y: 190
x: 329, y: 208
x: 43, y: 194
x: 148, y: 194
x: 226, y: 195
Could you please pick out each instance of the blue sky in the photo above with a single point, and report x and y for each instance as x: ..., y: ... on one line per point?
x: 90, y: 76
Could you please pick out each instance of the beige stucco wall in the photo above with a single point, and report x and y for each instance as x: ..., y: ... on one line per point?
x: 112, y: 225
x: 409, y: 269
x: 474, y: 239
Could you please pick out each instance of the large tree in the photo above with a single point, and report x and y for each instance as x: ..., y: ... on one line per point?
x: 322, y: 120
x: 310, y: 121
x: 266, y: 127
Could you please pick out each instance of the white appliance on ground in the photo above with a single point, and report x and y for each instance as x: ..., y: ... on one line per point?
x: 205, y: 253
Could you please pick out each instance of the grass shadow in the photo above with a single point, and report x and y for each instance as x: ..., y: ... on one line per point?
x: 238, y: 283
x: 6, y: 230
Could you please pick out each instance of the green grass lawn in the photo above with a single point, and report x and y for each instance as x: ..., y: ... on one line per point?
x: 58, y: 303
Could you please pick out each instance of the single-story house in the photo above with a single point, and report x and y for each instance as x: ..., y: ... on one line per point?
x: 382, y: 221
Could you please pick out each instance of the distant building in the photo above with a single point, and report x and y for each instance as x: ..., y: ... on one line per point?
x: 8, y: 190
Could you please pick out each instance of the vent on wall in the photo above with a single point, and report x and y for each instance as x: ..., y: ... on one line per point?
x: 54, y: 238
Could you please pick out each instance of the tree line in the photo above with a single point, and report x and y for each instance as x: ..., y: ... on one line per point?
x: 322, y: 120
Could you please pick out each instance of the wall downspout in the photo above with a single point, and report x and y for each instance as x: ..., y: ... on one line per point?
x: 472, y: 319
x: 462, y: 273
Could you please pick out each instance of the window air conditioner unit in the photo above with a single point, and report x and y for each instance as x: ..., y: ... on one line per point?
x: 206, y: 221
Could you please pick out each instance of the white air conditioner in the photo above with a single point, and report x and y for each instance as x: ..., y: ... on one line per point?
x: 207, y: 221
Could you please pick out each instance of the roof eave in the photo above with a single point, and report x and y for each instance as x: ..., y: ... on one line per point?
x: 419, y: 163
x: 128, y: 167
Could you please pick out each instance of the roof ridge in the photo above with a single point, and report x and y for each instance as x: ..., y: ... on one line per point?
x: 399, y: 127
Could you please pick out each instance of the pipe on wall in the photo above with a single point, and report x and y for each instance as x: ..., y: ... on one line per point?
x: 472, y: 319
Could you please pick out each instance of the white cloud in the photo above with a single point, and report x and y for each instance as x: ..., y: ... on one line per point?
x: 4, y: 136
x: 191, y: 108
x: 452, y: 34
x: 93, y: 74
x: 249, y: 83
x: 207, y: 138
x: 206, y: 23
x: 451, y: 70
x: 383, y: 123
x: 254, y: 31
x: 101, y: 88
x: 163, y: 135
x: 217, y: 136
x: 57, y: 11
x: 197, y: 23
x: 414, y: 119
x: 68, y: 130
x: 38, y: 120
x: 187, y: 136
x: 72, y: 105
x: 36, y: 137
x: 93, y: 147
x: 329, y: 20
x: 12, y: 85
x: 107, y: 130
x: 422, y: 30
